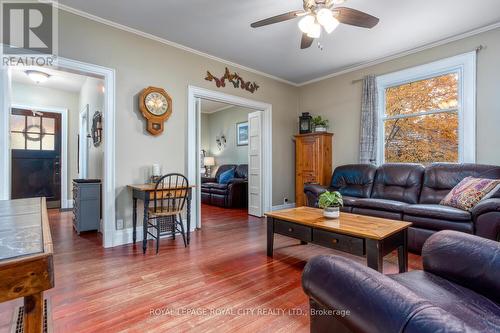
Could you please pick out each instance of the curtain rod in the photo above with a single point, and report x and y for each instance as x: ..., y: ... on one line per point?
x: 477, y: 49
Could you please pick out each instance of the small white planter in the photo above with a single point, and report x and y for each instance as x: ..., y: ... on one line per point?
x: 331, y: 212
x: 319, y: 129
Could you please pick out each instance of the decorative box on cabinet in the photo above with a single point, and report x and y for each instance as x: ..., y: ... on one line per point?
x: 86, y: 204
x: 313, y: 162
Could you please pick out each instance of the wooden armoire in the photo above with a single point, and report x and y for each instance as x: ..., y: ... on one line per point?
x: 313, y: 162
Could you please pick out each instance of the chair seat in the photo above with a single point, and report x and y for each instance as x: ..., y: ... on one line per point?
x: 438, y: 212
x: 162, y: 212
x: 474, y: 309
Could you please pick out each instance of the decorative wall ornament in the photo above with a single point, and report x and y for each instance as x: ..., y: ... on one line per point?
x: 235, y: 79
x: 221, y: 142
x: 97, y: 128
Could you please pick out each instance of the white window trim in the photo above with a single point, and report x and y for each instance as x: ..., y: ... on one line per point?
x: 465, y: 66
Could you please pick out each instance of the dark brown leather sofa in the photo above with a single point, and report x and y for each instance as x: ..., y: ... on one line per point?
x: 412, y: 193
x: 230, y: 195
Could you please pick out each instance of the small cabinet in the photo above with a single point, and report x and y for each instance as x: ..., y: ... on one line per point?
x: 86, y: 204
x: 313, y: 162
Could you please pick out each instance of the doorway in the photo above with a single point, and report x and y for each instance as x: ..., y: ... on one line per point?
x: 36, y: 155
x: 262, y: 163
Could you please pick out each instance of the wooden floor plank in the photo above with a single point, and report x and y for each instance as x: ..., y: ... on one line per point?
x: 224, y: 269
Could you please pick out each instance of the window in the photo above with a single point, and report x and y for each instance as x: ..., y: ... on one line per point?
x: 32, y: 132
x: 427, y: 113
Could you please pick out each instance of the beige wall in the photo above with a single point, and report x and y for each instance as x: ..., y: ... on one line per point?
x: 224, y: 122
x: 139, y: 63
x: 38, y: 96
x: 339, y: 99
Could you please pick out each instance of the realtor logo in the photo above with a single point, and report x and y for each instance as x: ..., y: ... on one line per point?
x: 28, y: 28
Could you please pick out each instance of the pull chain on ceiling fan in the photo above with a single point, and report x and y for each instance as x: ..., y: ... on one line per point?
x: 321, y: 14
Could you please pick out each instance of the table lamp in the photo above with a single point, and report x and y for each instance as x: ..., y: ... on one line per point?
x: 209, y: 162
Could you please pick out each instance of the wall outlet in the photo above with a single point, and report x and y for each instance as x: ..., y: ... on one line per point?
x: 285, y: 200
x: 119, y: 224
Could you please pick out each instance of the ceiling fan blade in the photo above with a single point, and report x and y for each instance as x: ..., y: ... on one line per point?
x: 306, y: 41
x: 277, y: 19
x: 355, y: 17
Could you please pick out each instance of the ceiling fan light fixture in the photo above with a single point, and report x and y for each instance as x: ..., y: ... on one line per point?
x: 327, y: 20
x: 306, y: 23
x: 315, y: 31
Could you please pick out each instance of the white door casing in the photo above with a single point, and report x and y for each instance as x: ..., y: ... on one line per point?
x: 255, y: 164
x: 83, y: 125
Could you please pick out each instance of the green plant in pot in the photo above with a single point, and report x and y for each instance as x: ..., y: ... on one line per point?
x: 331, y: 202
x: 320, y: 124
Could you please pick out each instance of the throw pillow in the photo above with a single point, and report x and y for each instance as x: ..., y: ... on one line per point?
x: 226, y: 176
x: 469, y: 192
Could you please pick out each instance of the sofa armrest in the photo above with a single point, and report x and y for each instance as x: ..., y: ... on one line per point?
x: 467, y: 260
x: 375, y: 302
x: 208, y: 180
x: 312, y: 192
x: 486, y: 206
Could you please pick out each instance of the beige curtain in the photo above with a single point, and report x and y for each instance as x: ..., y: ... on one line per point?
x: 369, y: 122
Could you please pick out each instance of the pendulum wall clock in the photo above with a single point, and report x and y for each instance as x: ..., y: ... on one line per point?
x: 156, y: 106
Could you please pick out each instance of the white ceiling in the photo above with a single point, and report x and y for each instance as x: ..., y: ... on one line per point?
x: 208, y: 106
x: 59, y: 80
x: 221, y: 28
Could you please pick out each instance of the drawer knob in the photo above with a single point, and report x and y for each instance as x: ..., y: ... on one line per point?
x: 290, y: 229
x: 335, y: 241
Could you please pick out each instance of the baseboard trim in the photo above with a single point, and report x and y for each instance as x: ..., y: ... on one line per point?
x: 284, y: 206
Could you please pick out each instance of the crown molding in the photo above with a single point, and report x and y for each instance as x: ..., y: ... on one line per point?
x: 166, y: 42
x: 251, y: 70
x: 397, y: 55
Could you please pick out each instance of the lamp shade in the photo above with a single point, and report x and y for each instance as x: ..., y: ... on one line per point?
x: 209, y: 161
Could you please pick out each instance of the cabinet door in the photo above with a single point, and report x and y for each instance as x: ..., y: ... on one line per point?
x: 307, y: 166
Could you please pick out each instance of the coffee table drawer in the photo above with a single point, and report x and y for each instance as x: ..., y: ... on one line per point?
x: 339, y: 242
x: 289, y: 229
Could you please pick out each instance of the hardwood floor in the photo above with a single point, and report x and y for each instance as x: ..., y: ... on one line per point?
x: 223, y: 282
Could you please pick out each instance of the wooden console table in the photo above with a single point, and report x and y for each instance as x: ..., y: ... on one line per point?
x: 356, y: 234
x: 26, y: 257
x: 145, y: 192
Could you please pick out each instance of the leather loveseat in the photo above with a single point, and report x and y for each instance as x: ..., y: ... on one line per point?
x: 457, y: 291
x: 232, y: 194
x: 412, y: 192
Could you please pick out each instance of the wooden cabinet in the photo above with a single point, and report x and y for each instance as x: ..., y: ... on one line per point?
x: 313, y: 162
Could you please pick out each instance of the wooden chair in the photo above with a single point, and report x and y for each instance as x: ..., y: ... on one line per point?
x: 165, y: 211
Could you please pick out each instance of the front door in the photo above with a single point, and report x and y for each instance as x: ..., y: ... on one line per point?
x: 35, y: 142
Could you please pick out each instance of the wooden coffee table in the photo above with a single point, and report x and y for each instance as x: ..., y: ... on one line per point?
x: 361, y: 235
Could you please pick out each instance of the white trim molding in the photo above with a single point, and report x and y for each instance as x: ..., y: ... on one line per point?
x: 64, y: 145
x: 284, y: 206
x: 193, y: 143
x: 465, y: 66
x: 5, y: 93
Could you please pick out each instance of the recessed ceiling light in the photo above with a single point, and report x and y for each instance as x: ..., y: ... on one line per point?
x: 37, y: 76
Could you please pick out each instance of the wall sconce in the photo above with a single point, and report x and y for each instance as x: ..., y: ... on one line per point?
x: 221, y: 142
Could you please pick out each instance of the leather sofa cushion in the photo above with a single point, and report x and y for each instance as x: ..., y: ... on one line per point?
x: 439, y: 224
x: 400, y: 182
x: 440, y: 178
x: 354, y: 180
x: 381, y: 204
x: 241, y: 171
x: 207, y: 186
x: 349, y: 201
x: 472, y: 308
x: 223, y: 168
x: 438, y: 212
x: 378, y: 213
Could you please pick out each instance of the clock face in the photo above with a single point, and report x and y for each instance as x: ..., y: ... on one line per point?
x: 156, y: 103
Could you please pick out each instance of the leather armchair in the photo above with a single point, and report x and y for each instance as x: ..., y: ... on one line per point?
x: 458, y: 291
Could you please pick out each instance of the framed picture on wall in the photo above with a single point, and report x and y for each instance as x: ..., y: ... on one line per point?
x: 242, y: 134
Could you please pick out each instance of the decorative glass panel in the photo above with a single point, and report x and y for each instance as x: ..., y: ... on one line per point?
x: 17, y: 123
x: 48, y: 125
x: 422, y: 139
x: 17, y: 141
x: 33, y: 124
x: 33, y: 142
x: 48, y: 141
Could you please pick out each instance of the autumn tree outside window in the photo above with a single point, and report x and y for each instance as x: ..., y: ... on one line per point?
x: 427, y: 113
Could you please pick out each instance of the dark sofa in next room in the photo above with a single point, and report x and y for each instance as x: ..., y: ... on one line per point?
x: 231, y: 195
x: 412, y: 192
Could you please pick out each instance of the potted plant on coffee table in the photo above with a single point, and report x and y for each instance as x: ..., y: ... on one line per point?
x: 331, y: 202
x: 320, y: 124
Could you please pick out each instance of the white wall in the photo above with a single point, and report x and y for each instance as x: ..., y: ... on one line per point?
x: 224, y: 122
x: 93, y: 95
x: 40, y: 96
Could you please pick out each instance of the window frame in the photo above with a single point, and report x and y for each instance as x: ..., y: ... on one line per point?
x: 465, y: 66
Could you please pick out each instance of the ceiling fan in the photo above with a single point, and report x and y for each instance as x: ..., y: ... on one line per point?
x: 319, y: 14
